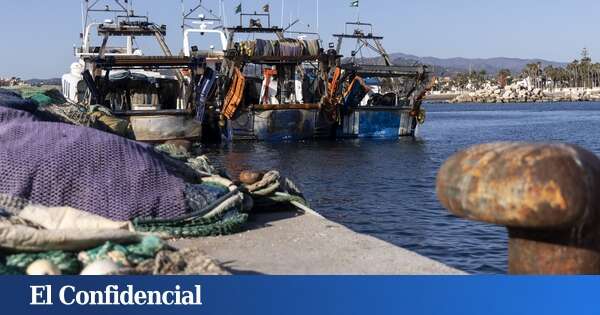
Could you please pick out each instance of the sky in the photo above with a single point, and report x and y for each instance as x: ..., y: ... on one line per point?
x: 38, y: 35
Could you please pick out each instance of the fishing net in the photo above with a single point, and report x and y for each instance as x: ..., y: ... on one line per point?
x: 201, y: 227
x: 66, y: 262
x: 54, y: 164
x: 42, y: 96
x: 124, y: 255
x: 151, y: 256
x: 47, y: 97
x: 13, y: 100
x: 188, y: 261
x: 7, y: 114
x: 60, y: 165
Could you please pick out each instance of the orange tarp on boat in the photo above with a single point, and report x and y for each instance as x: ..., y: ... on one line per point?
x: 235, y: 94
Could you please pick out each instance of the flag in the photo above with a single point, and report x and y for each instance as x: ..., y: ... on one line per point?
x: 354, y: 3
x: 238, y: 9
x: 266, y: 8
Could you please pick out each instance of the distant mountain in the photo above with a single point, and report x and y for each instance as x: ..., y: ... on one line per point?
x: 450, y: 66
x: 52, y: 81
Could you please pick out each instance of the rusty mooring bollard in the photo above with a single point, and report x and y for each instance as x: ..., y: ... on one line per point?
x: 547, y: 195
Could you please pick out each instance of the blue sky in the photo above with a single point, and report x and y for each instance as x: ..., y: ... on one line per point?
x: 38, y: 35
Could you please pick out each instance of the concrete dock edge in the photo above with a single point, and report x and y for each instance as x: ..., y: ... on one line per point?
x: 306, y: 244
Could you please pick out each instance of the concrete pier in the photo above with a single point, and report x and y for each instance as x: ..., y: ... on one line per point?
x: 306, y: 244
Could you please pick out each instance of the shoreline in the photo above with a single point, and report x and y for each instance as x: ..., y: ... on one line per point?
x: 438, y: 102
x: 514, y: 94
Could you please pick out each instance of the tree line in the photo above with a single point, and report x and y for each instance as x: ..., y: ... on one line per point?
x: 580, y: 73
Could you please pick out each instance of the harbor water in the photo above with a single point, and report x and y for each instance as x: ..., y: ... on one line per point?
x: 387, y: 188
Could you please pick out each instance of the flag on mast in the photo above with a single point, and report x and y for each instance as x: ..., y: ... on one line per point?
x: 354, y: 3
x: 238, y: 9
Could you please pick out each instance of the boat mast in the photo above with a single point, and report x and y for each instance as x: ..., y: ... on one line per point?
x: 89, y: 8
x: 123, y: 6
x: 363, y: 40
x: 199, y: 12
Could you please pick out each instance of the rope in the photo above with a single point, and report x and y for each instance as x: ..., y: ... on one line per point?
x: 173, y: 151
x: 192, y: 215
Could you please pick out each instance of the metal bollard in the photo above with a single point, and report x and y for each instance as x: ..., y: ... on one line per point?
x: 547, y: 195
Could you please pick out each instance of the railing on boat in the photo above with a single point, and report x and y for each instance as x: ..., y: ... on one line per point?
x: 385, y: 71
x: 285, y: 106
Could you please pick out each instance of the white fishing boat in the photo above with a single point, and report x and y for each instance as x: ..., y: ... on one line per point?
x: 160, y: 95
x: 204, y: 37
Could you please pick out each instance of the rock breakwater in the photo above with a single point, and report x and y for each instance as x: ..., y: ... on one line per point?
x: 520, y: 94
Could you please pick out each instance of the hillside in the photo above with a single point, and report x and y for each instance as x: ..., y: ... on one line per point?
x: 449, y: 66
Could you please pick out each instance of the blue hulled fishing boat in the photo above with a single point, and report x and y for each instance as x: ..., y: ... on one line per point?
x: 380, y: 100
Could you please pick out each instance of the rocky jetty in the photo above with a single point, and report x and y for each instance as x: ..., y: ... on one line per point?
x: 522, y: 94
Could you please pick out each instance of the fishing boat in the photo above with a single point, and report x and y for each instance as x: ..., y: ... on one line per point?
x: 159, y: 95
x: 380, y: 99
x: 275, y: 88
x: 204, y: 37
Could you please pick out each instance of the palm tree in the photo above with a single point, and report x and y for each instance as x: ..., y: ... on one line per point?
x: 503, y: 76
x: 550, y: 73
x: 573, y: 70
x: 534, y: 72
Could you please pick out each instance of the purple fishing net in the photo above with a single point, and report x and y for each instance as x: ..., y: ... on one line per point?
x: 56, y: 164
x: 10, y: 101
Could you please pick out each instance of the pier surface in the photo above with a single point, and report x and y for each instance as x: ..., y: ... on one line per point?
x: 297, y: 244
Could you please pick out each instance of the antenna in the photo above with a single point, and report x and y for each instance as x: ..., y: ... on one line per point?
x: 282, y: 11
x: 317, y: 16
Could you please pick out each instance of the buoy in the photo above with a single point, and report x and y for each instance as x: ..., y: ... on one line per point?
x: 100, y: 268
x: 43, y: 268
x: 250, y: 177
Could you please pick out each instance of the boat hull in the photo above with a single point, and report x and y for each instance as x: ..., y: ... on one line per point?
x: 380, y: 123
x: 161, y: 128
x: 277, y: 125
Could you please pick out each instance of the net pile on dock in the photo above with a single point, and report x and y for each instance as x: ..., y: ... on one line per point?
x: 13, y: 100
x: 54, y: 164
x: 41, y: 95
x: 60, y: 165
x: 67, y: 189
x: 69, y: 196
x: 49, y: 105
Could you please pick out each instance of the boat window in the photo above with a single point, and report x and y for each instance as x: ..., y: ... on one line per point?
x: 205, y: 42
